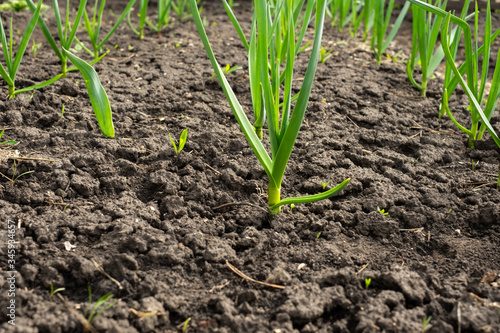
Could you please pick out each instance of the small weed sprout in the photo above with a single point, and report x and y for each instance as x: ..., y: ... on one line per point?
x: 185, y: 326
x: 382, y: 211
x: 324, y: 185
x: 292, y: 206
x: 182, y: 142
x: 15, y: 177
x: 474, y: 165
x: 35, y: 48
x: 54, y: 291
x: 324, y: 55
x: 394, y: 58
x: 367, y: 282
x: 92, y: 312
x: 425, y: 322
x: 7, y: 142
x: 317, y: 238
x: 228, y: 70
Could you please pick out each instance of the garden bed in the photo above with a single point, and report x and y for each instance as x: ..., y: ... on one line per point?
x: 160, y: 231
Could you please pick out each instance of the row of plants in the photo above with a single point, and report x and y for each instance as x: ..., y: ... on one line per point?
x: 276, y: 37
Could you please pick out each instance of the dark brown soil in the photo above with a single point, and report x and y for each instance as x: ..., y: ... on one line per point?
x: 153, y: 221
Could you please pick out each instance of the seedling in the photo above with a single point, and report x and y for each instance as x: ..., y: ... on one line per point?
x: 380, y: 41
x: 382, y: 211
x: 54, y: 291
x: 182, y: 141
x: 394, y: 58
x: 205, y: 22
x: 92, y: 312
x: 426, y: 29
x: 473, y: 87
x: 98, y: 97
x: 425, y: 324
x: 367, y: 282
x: 278, y: 55
x: 317, y: 238
x: 93, y: 28
x: 228, y: 70
x: 342, y: 12
x: 181, y: 8
x: 15, y: 176
x: 35, y: 47
x: 62, y: 112
x: 324, y: 185
x: 271, y: 67
x: 368, y: 17
x: 185, y: 326
x: 97, y: 94
x: 292, y: 206
x: 66, y: 31
x: 12, y: 63
x: 7, y: 142
x: 324, y: 55
x: 162, y: 18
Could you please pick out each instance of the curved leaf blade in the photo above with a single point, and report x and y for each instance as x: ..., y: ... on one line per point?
x: 314, y: 197
x: 98, y: 96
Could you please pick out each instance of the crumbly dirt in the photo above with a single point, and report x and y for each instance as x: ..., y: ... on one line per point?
x: 160, y: 231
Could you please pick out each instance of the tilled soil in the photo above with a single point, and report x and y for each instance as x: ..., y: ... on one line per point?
x: 161, y: 231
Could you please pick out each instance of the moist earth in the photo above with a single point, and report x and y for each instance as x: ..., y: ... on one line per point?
x: 162, y: 231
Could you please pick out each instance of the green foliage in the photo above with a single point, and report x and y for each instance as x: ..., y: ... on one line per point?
x: 18, y: 6
x: 474, y: 86
x: 228, y: 70
x: 66, y: 31
x: 92, y: 312
x: 426, y: 29
x: 278, y: 47
x: 162, y: 17
x: 15, y: 176
x: 7, y: 142
x: 367, y: 282
x: 97, y: 94
x: 185, y: 326
x: 340, y: 12
x: 12, y: 63
x: 54, y: 291
x: 382, y: 211
x: 380, y: 39
x: 183, y: 10
x: 425, y: 324
x: 182, y: 141
x: 324, y: 55
x: 93, y: 28
x: 67, y: 35
x: 368, y: 17
x: 271, y: 56
x: 35, y: 47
